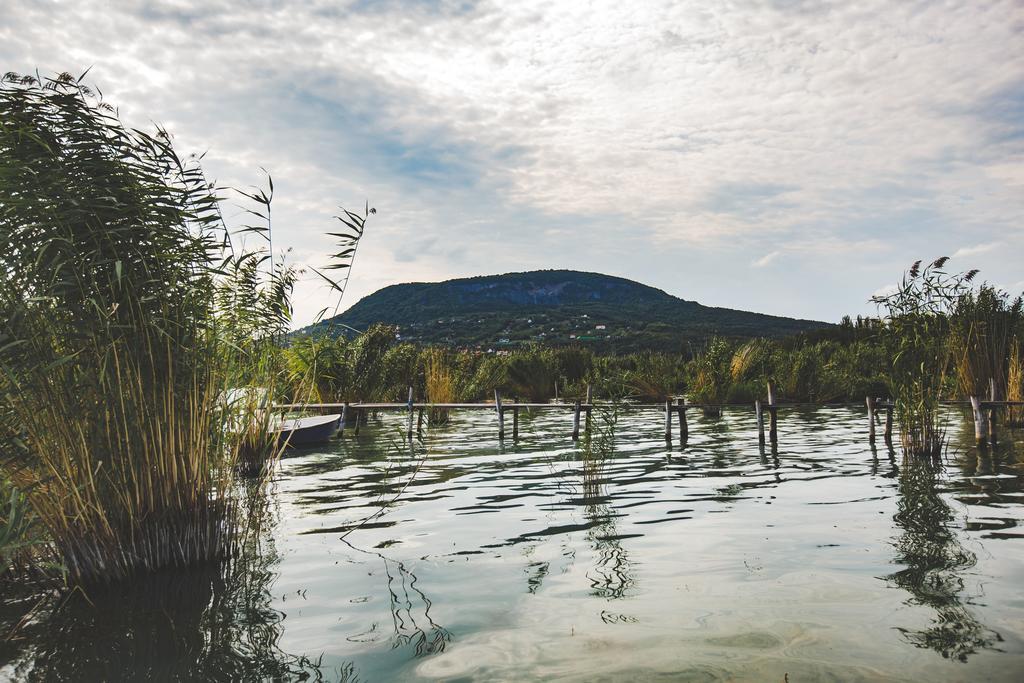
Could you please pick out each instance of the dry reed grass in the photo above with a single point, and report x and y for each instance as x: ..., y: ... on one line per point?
x: 440, y: 383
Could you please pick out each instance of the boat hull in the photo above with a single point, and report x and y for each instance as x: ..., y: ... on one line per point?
x: 307, y: 431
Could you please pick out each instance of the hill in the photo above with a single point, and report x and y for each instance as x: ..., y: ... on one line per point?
x: 555, y: 307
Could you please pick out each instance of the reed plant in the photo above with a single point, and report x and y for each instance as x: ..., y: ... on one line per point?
x: 489, y: 372
x: 252, y: 313
x: 380, y: 369
x: 22, y: 543
x: 439, y: 380
x: 982, y: 329
x: 749, y: 369
x: 532, y: 374
x: 916, y: 331
x: 711, y: 376
x: 750, y: 361
x: 575, y: 367
x: 1015, y: 383
x: 318, y: 369
x: 655, y: 376
x: 115, y: 355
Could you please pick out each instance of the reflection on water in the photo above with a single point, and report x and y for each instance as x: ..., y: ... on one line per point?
x: 408, y: 602
x: 935, y: 561
x: 211, y: 623
x: 611, y: 576
x: 617, y: 557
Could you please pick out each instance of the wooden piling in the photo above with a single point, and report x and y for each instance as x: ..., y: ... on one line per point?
x: 760, y: 422
x: 980, y: 425
x: 408, y: 430
x: 419, y: 421
x: 501, y: 414
x: 344, y: 415
x: 888, y: 424
x: 515, y: 420
x: 684, y: 429
x: 590, y: 406
x: 870, y: 400
x: 773, y: 419
x: 359, y: 418
x: 992, y: 411
x: 576, y: 421
x: 668, y: 421
x: 590, y: 402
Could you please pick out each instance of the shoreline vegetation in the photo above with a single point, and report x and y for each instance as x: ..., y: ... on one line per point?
x: 130, y: 312
x: 138, y: 333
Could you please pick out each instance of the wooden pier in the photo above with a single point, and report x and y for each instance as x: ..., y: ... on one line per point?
x: 984, y: 413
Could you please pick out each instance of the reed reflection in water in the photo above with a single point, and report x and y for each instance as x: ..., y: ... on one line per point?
x: 214, y: 623
x: 612, y: 576
x: 935, y: 562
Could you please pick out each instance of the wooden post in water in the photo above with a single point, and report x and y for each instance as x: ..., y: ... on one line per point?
x: 419, y: 421
x: 576, y: 421
x: 590, y: 405
x: 668, y: 421
x: 684, y: 429
x: 344, y: 414
x: 773, y: 420
x: 501, y: 414
x: 359, y: 418
x: 515, y: 420
x: 992, y: 410
x: 980, y: 426
x: 408, y: 430
x: 888, y: 423
x: 870, y: 400
x: 760, y: 422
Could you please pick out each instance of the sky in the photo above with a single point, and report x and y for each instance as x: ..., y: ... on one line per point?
x: 783, y: 156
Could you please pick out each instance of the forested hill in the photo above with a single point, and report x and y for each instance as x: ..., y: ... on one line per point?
x: 555, y: 307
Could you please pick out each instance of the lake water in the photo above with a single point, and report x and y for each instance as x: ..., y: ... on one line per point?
x: 614, y: 559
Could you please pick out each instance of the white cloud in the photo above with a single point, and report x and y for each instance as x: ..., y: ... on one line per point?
x: 766, y: 259
x: 1014, y: 289
x: 886, y: 290
x: 539, y: 134
x: 975, y: 250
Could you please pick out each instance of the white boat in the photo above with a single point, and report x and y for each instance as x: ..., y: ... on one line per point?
x: 306, y: 431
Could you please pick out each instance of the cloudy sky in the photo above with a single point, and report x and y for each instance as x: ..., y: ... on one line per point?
x: 785, y: 156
